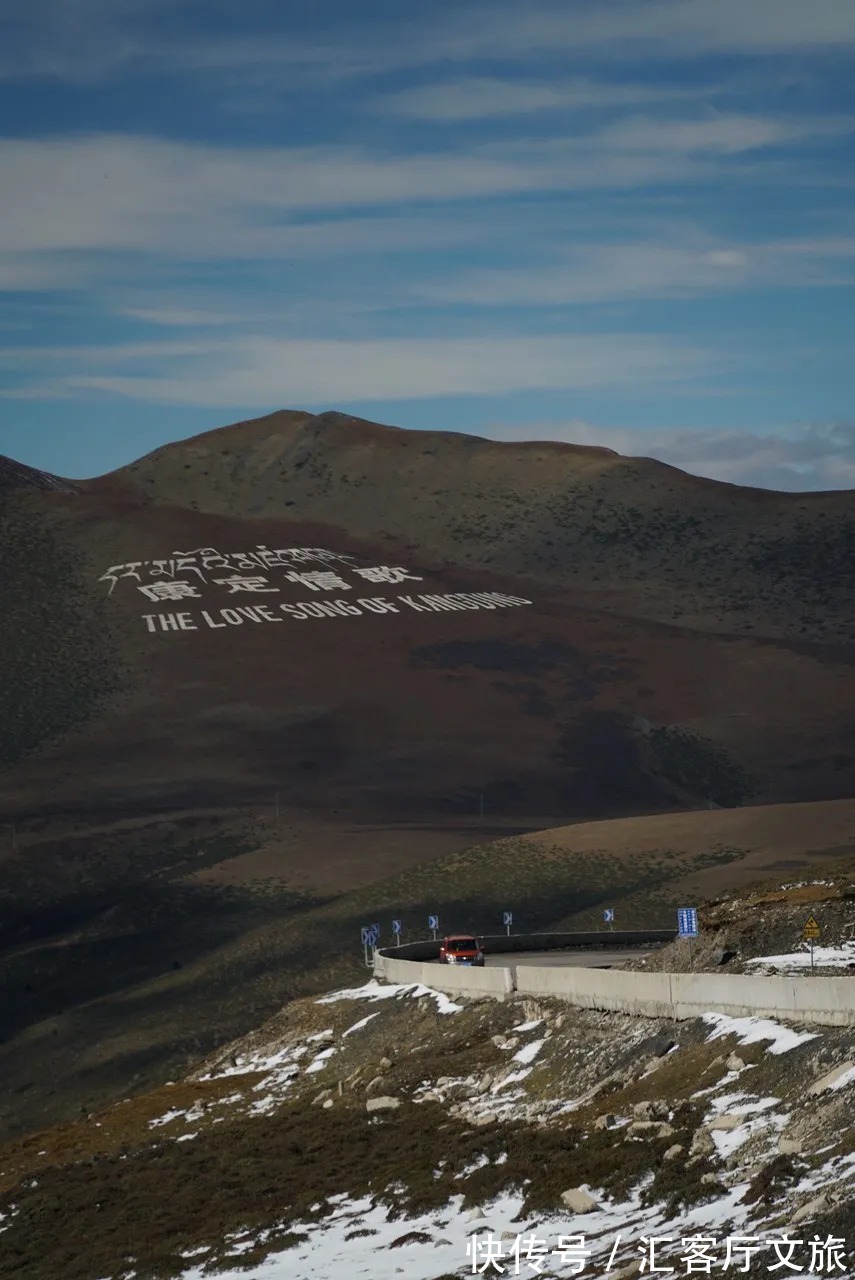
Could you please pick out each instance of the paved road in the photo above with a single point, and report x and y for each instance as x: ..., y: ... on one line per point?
x: 594, y: 959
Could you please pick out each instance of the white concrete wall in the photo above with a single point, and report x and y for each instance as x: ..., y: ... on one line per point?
x: 648, y: 993
x: 496, y: 982
x: 823, y: 1001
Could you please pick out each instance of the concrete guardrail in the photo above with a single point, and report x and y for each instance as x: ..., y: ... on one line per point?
x: 821, y: 1001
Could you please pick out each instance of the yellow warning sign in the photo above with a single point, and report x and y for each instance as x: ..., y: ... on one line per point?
x: 811, y: 929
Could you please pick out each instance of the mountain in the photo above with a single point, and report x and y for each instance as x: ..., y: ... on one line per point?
x: 14, y: 475
x: 297, y: 656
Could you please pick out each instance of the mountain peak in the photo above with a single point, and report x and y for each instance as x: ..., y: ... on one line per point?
x: 15, y: 475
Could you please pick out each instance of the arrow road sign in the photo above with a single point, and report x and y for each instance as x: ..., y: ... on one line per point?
x: 687, y: 922
x: 508, y: 918
x: 396, y: 928
x: 366, y: 934
x: 433, y: 922
x: 811, y: 930
x: 608, y: 915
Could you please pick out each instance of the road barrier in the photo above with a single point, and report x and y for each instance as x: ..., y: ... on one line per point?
x: 502, y: 943
x: 812, y: 1000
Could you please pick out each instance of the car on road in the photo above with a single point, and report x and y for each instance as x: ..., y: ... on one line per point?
x: 461, y: 948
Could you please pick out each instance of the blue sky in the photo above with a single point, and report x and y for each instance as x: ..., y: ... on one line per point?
x: 623, y: 222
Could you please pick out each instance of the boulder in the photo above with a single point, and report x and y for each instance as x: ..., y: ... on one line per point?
x: 578, y: 1200
x: 813, y: 1209
x: 652, y: 1110
x: 790, y: 1146
x: 626, y: 1272
x: 385, y: 1064
x: 735, y: 1063
x: 649, y: 1129
x: 383, y: 1103
x: 606, y: 1121
x: 702, y: 1143
x: 485, y: 1082
x: 373, y: 1085
x: 826, y: 1081
x: 726, y: 1123
x: 673, y: 1152
x: 322, y: 1097
x: 709, y: 1179
x: 327, y: 1104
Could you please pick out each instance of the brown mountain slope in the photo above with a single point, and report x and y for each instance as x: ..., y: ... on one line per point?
x: 646, y: 538
x: 14, y: 476
x: 202, y: 740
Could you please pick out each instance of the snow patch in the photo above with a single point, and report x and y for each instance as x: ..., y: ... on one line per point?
x: 357, y: 1026
x: 318, y: 1063
x: 755, y: 1030
x: 797, y: 961
x: 529, y: 1052
x: 375, y: 991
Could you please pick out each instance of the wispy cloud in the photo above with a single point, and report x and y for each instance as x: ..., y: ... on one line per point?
x: 809, y: 457
x: 493, y: 97
x: 593, y: 272
x: 111, y: 193
x: 94, y: 40
x: 264, y: 372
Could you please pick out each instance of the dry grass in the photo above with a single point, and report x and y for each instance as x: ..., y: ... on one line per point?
x: 91, y: 1215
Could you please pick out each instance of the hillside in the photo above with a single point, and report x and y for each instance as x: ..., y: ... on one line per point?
x: 380, y: 1129
x: 644, y: 538
x: 257, y: 672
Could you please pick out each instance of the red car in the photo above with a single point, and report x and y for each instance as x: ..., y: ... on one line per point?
x: 461, y: 948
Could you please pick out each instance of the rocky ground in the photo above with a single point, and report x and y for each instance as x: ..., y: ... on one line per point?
x: 760, y: 930
x: 411, y: 1131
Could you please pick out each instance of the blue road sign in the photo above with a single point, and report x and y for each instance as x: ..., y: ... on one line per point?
x: 366, y: 934
x: 687, y: 922
x: 433, y: 922
x: 508, y: 918
x: 396, y: 928
x: 375, y: 929
x: 608, y: 915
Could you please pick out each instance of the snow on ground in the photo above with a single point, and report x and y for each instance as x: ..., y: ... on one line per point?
x: 797, y: 961
x: 528, y: 1026
x: 357, y: 1026
x: 529, y: 1052
x: 376, y: 991
x: 754, y: 1030
x: 357, y: 1240
x: 318, y: 1063
x: 844, y: 1080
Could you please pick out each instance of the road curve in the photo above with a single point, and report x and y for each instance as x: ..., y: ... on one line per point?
x: 588, y: 958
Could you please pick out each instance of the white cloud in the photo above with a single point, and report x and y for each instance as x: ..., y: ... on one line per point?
x: 263, y: 372
x: 641, y: 27
x: 177, y: 317
x: 604, y: 272
x: 810, y: 457
x: 93, y: 40
x: 491, y: 97
x: 119, y: 194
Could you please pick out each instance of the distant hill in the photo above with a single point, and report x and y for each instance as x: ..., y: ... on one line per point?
x: 644, y: 538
